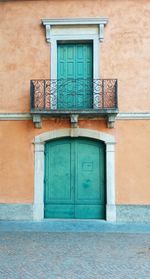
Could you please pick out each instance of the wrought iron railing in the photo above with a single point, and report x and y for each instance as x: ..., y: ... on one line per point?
x: 73, y: 94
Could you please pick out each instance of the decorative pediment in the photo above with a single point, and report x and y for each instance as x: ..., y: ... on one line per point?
x: 78, y: 22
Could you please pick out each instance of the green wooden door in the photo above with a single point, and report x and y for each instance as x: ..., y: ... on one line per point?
x: 75, y: 179
x: 74, y: 74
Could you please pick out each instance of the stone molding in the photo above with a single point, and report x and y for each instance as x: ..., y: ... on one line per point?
x: 121, y: 116
x: 15, y: 116
x: 75, y: 21
x: 133, y: 116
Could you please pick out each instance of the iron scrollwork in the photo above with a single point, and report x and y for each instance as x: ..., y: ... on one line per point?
x: 73, y: 94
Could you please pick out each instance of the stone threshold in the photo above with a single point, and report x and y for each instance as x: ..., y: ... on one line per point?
x: 73, y: 226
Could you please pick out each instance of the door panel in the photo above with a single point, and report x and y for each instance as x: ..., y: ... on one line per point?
x: 59, y: 192
x: 75, y: 179
x: 89, y: 212
x: 88, y: 173
x: 89, y: 179
x: 59, y: 211
x: 75, y: 62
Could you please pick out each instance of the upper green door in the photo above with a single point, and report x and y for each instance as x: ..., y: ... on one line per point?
x: 74, y: 74
x: 75, y: 179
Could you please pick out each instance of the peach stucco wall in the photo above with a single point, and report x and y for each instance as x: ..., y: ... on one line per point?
x: 125, y: 51
x: 132, y: 158
x: 25, y: 55
x: 133, y: 162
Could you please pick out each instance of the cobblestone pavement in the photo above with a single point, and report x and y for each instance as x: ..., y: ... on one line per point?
x: 47, y: 255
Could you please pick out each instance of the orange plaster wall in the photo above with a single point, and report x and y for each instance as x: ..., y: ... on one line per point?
x: 16, y: 171
x: 25, y: 55
x: 132, y: 158
x: 133, y: 162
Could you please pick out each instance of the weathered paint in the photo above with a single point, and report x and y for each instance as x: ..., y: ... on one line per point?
x: 124, y: 53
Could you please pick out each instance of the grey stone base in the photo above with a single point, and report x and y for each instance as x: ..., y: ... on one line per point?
x: 16, y: 211
x: 125, y: 213
x: 133, y: 213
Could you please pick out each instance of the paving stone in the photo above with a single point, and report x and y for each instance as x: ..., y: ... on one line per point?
x: 41, y: 255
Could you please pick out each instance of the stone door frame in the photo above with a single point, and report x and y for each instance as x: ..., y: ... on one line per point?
x: 40, y: 140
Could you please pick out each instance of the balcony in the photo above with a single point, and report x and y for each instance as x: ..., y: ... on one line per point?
x: 74, y: 98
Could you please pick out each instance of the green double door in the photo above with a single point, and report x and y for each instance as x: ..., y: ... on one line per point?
x: 74, y: 74
x: 75, y: 179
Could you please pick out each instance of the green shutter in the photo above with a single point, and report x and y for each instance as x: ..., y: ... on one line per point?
x: 75, y: 64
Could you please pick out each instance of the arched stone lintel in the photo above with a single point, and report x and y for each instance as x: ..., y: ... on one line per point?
x: 72, y: 132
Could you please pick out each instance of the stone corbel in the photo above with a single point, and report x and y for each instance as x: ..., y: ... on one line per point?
x: 101, y: 32
x: 111, y: 120
x: 37, y: 120
x: 74, y: 120
x: 48, y: 33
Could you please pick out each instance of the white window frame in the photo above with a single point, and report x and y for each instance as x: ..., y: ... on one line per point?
x: 74, y: 30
